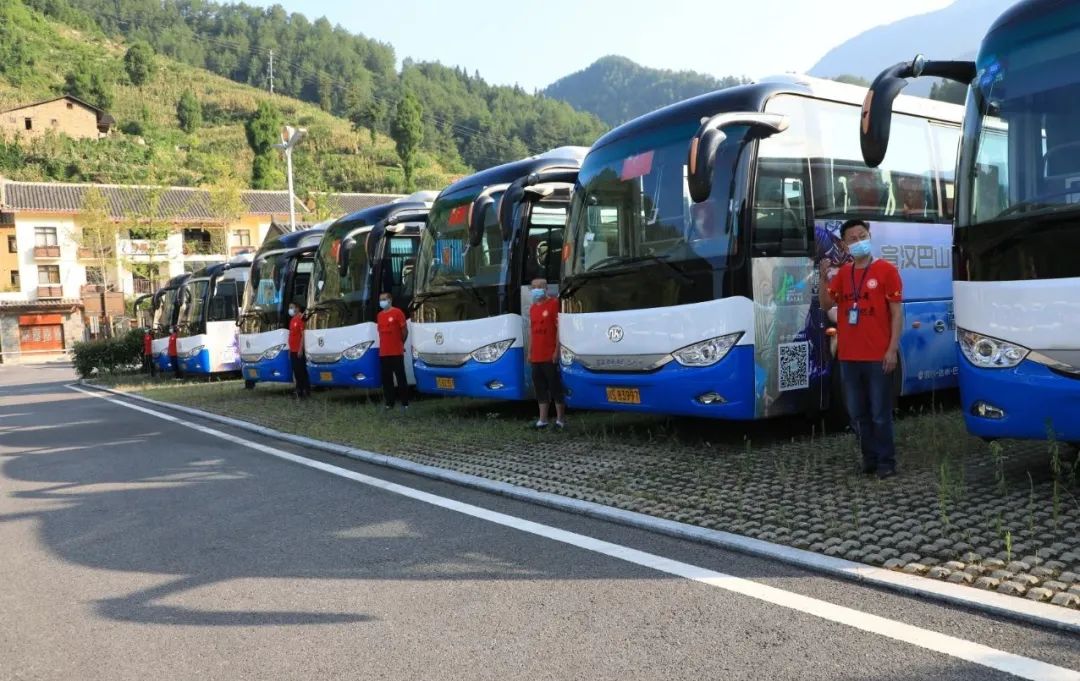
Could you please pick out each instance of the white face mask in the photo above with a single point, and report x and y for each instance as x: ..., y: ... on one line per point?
x: 292, y: 311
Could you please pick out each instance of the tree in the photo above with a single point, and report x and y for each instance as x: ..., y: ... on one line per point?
x: 88, y: 83
x: 139, y: 63
x: 263, y: 129
x: 408, y: 132
x: 263, y: 132
x: 852, y: 80
x: 189, y: 112
x: 96, y: 236
x: 949, y: 91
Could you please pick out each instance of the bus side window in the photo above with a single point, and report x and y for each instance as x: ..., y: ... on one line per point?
x: 543, y: 248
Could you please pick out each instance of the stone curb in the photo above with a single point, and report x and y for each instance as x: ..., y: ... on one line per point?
x: 1041, y: 614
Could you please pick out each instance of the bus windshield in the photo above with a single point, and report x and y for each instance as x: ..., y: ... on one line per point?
x: 163, y: 316
x: 632, y: 205
x: 342, y: 295
x: 1029, y: 110
x: 191, y: 312
x: 263, y: 292
x: 461, y: 281
x: 1021, y: 152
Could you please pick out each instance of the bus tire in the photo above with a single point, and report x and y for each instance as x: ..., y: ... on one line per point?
x: 249, y: 385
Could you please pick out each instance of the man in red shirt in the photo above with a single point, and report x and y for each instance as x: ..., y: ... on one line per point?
x: 393, y: 330
x: 296, y: 351
x: 148, y: 352
x: 173, y: 358
x: 868, y: 293
x: 544, y: 354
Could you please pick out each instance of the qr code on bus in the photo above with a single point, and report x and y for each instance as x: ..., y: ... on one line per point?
x: 794, y: 363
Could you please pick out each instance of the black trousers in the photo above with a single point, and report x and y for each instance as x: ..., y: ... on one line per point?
x: 176, y: 366
x: 149, y: 365
x: 393, y: 368
x: 299, y: 373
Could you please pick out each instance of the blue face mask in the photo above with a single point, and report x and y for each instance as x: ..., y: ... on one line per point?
x: 538, y: 293
x: 384, y: 304
x: 860, y: 249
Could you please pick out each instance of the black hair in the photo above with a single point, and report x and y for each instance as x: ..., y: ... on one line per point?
x: 299, y: 305
x: 856, y: 222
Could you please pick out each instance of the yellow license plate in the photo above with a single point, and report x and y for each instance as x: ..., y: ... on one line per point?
x: 253, y: 373
x: 444, y: 383
x: 326, y: 376
x: 624, y: 395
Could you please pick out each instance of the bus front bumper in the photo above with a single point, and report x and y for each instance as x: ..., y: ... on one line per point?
x: 348, y: 373
x: 722, y: 391
x: 503, y: 379
x: 276, y: 370
x: 1024, y: 402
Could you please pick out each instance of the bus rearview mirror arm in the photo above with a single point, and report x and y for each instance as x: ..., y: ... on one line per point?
x: 877, y: 108
x: 709, y: 137
x: 515, y: 194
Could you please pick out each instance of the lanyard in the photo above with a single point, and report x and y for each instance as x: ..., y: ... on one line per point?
x: 857, y: 291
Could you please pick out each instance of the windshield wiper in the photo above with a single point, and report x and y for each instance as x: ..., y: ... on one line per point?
x: 419, y: 298
x: 470, y: 287
x: 662, y: 259
x: 576, y: 281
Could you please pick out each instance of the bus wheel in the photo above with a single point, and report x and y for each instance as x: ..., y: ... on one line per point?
x: 249, y: 385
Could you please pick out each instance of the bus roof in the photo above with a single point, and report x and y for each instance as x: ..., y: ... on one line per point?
x: 754, y: 96
x: 372, y: 216
x: 291, y: 240
x: 239, y: 262
x: 508, y: 172
x: 1023, y: 11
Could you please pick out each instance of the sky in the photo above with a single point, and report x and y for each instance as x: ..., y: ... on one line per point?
x: 534, y: 44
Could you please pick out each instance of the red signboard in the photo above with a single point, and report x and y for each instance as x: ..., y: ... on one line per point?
x: 40, y: 319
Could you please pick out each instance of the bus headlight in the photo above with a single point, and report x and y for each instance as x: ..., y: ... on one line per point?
x: 193, y: 352
x: 990, y: 353
x: 566, y: 356
x: 492, y: 352
x: 273, y: 352
x: 357, y: 351
x: 706, y: 353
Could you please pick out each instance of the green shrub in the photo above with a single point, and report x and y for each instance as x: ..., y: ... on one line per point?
x: 106, y: 355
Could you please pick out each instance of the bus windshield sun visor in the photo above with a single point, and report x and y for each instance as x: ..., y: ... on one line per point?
x: 711, y: 135
x: 878, y: 107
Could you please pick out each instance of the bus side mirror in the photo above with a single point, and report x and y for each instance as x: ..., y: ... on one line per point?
x: 509, y: 201
x: 476, y: 219
x: 876, y: 125
x: 343, y: 255
x: 709, y: 137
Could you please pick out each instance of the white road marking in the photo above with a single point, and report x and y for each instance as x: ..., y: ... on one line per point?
x: 1017, y: 665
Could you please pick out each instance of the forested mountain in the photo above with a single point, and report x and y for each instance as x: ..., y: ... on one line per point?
x: 617, y: 89
x: 467, y: 121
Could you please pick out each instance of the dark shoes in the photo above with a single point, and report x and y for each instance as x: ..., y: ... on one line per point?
x: 886, y: 474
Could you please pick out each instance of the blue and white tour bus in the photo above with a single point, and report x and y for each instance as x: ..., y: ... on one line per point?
x: 1017, y: 288
x: 695, y: 233
x: 279, y: 275
x: 473, y: 271
x: 359, y: 257
x: 210, y: 308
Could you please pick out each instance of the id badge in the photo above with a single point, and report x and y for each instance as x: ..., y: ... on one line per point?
x: 853, y: 316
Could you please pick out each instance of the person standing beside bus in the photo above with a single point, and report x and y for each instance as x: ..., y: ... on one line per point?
x: 173, y: 354
x: 868, y: 293
x: 298, y: 361
x: 148, y: 353
x: 393, y: 332
x: 544, y: 354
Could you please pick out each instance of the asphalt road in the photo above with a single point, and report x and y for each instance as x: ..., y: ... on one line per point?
x: 136, y: 548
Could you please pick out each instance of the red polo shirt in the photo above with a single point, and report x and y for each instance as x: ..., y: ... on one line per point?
x: 392, y: 325
x: 172, y: 344
x: 878, y: 285
x: 147, y: 344
x: 544, y: 330
x: 296, y: 333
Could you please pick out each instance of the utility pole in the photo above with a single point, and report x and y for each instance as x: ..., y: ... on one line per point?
x: 271, y: 72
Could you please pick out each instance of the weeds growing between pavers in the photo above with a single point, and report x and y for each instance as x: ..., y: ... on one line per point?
x: 1002, y: 516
